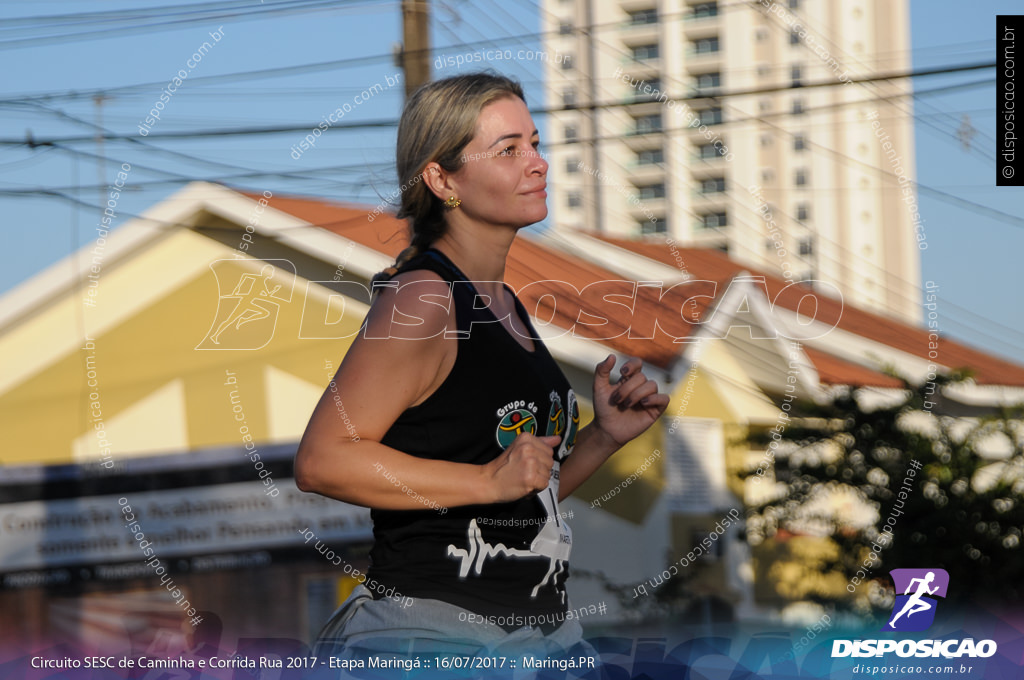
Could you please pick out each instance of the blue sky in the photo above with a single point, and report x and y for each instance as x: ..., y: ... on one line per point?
x: 972, y: 255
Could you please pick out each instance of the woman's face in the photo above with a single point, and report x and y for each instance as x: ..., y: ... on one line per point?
x: 503, y: 178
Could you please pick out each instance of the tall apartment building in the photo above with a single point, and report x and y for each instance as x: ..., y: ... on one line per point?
x: 733, y: 125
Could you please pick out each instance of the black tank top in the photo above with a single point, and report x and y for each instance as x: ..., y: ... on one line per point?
x: 501, y: 559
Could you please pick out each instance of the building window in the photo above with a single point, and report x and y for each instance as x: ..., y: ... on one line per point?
x: 767, y: 175
x: 799, y: 142
x: 795, y: 75
x: 567, y: 62
x: 699, y: 535
x: 803, y: 212
x: 643, y: 16
x: 794, y: 36
x: 794, y: 4
x: 645, y: 52
x: 712, y: 185
x: 574, y: 199
x: 647, y: 124
x: 763, y: 70
x: 766, y: 139
x: 724, y: 247
x: 572, y: 165
x: 656, y: 226
x: 806, y: 247
x: 650, y: 192
x: 798, y: 106
x: 706, y: 45
x: 709, y: 151
x: 569, y: 96
x: 709, y: 81
x: 712, y: 116
x: 641, y: 94
x: 714, y: 220
x: 569, y: 133
x: 801, y: 178
x: 565, y: 28
x: 704, y: 10
x: 650, y: 157
x: 761, y: 34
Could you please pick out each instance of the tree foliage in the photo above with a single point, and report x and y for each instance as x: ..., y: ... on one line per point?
x: 964, y: 511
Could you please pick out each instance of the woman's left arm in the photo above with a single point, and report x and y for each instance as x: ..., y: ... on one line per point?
x: 621, y: 412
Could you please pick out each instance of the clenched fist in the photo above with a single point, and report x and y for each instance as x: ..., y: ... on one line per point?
x: 523, y: 468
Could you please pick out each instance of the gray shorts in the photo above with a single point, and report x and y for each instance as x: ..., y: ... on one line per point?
x: 364, y: 626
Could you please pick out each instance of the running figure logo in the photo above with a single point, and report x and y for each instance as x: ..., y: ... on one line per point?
x: 914, y: 610
x: 254, y: 299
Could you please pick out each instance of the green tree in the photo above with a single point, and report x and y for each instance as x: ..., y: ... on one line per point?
x: 964, y: 511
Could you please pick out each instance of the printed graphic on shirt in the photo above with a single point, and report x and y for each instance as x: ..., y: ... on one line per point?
x: 555, y: 537
x: 515, y: 419
x: 569, y: 440
x: 556, y: 416
x: 553, y: 541
x: 480, y: 551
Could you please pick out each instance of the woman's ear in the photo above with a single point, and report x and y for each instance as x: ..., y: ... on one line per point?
x: 438, y: 181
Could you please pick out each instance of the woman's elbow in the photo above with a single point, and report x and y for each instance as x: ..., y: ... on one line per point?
x: 305, y: 473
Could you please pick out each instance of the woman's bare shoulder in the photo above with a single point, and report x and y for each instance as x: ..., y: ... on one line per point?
x: 413, y: 305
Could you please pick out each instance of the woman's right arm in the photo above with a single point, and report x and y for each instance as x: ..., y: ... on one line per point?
x: 389, y: 367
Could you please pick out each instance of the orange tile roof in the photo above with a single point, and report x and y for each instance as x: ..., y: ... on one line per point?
x: 835, y: 371
x: 716, y: 266
x: 648, y: 330
x: 530, y: 261
x: 384, y: 234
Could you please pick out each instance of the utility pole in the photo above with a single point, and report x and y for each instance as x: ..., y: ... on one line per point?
x: 591, y: 130
x: 414, y: 54
x: 100, y: 160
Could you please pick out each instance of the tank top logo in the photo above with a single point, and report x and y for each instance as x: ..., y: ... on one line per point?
x: 569, y: 440
x: 515, y: 419
x: 553, y: 541
x: 518, y: 417
x: 556, y: 416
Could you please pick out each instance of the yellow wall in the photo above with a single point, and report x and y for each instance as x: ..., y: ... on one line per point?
x: 157, y: 392
x: 634, y: 501
x: 630, y: 501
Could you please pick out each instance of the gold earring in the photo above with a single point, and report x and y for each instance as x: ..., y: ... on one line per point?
x: 453, y: 202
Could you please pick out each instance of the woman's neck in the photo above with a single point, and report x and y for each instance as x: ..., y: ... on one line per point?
x: 479, y: 253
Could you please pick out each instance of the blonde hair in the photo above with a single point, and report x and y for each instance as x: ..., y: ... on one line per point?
x: 437, y: 124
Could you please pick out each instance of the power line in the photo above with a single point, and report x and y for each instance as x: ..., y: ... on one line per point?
x: 295, y: 175
x: 105, y: 17
x: 256, y: 74
x: 849, y: 57
x: 733, y: 120
x: 223, y: 132
x: 175, y: 179
x: 942, y: 195
x: 145, y: 145
x: 846, y: 159
x: 254, y: 11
